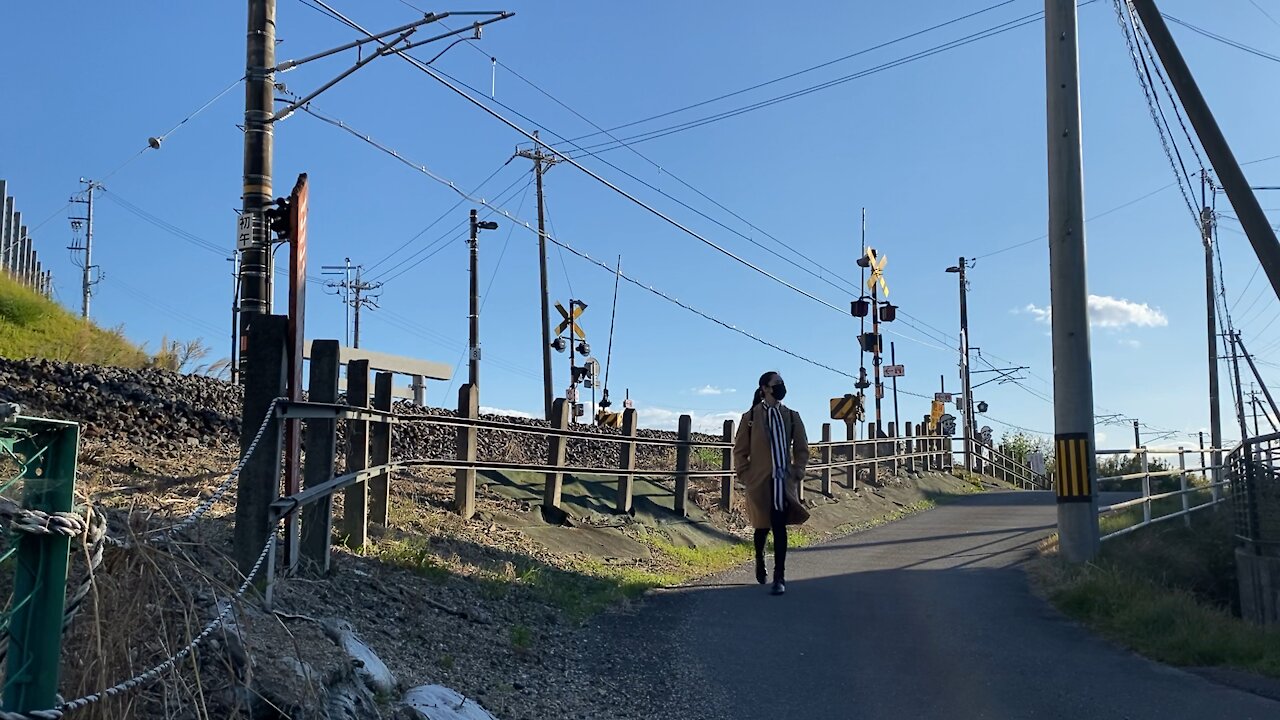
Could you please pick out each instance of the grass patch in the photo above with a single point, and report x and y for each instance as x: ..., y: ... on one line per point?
x: 31, y: 325
x: 413, y: 554
x: 1167, y: 592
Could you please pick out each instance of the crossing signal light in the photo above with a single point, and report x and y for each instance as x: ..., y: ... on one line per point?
x: 559, y: 344
x: 280, y: 219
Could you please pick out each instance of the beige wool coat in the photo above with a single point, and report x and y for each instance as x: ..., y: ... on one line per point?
x: 753, y: 464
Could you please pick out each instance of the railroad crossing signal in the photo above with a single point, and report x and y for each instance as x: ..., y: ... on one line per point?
x: 847, y: 408
x: 570, y: 320
x: 935, y: 413
x: 877, y: 272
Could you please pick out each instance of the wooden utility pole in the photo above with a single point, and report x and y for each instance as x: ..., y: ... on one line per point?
x: 541, y: 162
x: 1210, y: 302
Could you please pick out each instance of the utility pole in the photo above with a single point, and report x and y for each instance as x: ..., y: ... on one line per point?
x: 235, y: 318
x: 966, y: 389
x: 345, y: 271
x: 361, y: 297
x: 1210, y: 291
x: 541, y: 162
x: 473, y: 374
x: 1235, y: 364
x: 1253, y: 368
x: 1137, y: 436
x: 356, y: 293
x: 1068, y: 290
x: 1254, y: 221
x: 259, y: 100
x: 86, y: 265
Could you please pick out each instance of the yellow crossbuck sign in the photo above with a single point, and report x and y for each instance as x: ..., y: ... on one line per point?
x: 877, y: 272
x: 848, y: 407
x: 568, y: 321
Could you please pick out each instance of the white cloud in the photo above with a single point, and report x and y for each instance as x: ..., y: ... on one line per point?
x: 666, y: 419
x: 1130, y: 343
x: 1099, y: 438
x: 1109, y: 312
x: 506, y: 413
x: 713, y: 390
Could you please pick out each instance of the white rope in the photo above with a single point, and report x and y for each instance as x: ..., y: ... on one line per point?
x: 204, y: 507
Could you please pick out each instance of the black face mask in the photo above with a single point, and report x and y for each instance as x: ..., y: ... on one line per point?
x: 779, y: 391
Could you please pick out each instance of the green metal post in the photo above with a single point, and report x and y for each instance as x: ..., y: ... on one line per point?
x: 40, y: 576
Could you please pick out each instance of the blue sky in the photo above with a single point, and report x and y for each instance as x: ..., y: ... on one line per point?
x: 946, y: 153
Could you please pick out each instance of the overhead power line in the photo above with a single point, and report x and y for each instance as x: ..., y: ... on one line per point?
x: 791, y: 75
x: 1224, y: 40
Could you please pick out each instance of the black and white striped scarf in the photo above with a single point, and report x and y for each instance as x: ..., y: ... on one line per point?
x: 781, y: 458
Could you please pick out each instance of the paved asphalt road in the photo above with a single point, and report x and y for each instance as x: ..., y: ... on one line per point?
x: 928, y: 617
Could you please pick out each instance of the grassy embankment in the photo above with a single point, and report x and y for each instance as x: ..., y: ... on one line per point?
x: 1167, y: 591
x: 34, y: 326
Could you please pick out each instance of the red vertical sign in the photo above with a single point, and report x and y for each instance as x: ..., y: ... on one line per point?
x: 296, y: 342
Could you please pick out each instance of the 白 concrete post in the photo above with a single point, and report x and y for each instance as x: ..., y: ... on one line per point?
x: 626, y: 461
x: 355, y: 498
x: 683, y: 454
x: 464, y: 479
x: 321, y: 439
x: 259, y: 483
x: 556, y: 446
x: 380, y: 452
x: 726, y: 464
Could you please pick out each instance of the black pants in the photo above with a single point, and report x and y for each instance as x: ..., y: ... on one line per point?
x: 778, y: 520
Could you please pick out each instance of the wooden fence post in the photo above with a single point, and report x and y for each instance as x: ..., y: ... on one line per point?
x: 726, y: 464
x: 910, y: 447
x: 893, y: 435
x: 259, y: 485
x: 683, y: 454
x: 851, y: 470
x: 556, y: 446
x: 318, y: 465
x: 355, y: 499
x: 464, y: 479
x: 874, y: 436
x: 922, y: 443
x: 825, y: 458
x: 626, y: 461
x: 380, y: 452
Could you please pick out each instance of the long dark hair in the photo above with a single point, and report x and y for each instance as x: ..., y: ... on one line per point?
x: 764, y: 380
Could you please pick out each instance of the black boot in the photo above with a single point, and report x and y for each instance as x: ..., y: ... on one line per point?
x: 761, y: 536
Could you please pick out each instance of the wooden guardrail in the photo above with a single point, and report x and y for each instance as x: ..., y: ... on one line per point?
x: 369, y: 463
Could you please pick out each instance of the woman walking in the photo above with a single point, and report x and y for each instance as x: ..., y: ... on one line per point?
x: 770, y: 452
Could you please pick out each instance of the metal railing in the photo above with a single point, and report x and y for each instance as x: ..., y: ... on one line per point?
x: 1158, y: 507
x: 1255, y: 491
x: 993, y: 461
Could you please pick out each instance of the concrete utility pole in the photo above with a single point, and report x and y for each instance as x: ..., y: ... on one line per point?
x: 1137, y: 435
x: 966, y: 388
x: 1068, y: 290
x: 86, y: 266
x: 473, y: 369
x: 1210, y: 291
x: 1252, y: 218
x: 259, y: 96
x: 361, y: 297
x: 541, y: 162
